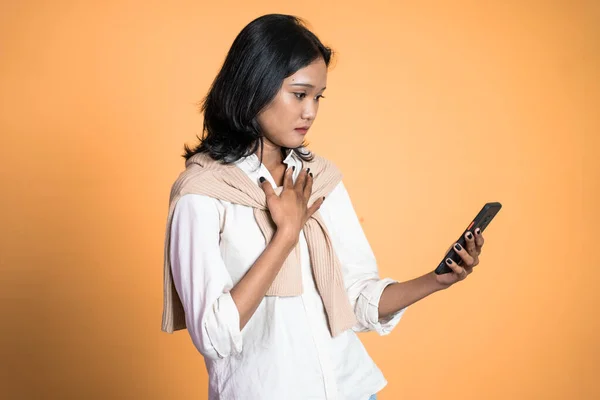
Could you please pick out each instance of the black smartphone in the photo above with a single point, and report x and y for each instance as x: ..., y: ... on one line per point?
x: 481, y: 221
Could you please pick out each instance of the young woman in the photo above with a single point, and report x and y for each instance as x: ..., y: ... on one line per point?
x: 266, y: 263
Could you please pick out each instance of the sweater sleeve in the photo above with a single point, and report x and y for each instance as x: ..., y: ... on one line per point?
x: 201, y: 278
x: 359, y: 266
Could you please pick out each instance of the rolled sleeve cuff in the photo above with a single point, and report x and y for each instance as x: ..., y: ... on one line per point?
x: 367, y: 309
x: 222, y: 327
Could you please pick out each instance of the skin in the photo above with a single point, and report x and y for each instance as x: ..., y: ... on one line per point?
x: 296, y: 105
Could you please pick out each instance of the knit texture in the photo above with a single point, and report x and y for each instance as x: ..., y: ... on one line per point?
x: 205, y: 176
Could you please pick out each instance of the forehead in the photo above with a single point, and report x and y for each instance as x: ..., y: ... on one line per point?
x: 314, y: 74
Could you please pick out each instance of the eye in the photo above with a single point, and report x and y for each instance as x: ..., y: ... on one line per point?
x: 300, y: 95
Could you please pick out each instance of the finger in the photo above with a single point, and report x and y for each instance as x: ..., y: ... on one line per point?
x: 309, y: 185
x: 470, y: 244
x: 301, y: 180
x: 466, y: 257
x: 288, y: 181
x: 479, y: 240
x: 458, y: 270
x: 267, y: 187
x: 469, y: 270
x: 315, y: 206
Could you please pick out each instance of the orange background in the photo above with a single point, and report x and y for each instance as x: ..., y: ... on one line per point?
x: 432, y: 109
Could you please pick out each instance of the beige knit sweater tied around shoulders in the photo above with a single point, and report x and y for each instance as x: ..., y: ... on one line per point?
x: 208, y: 177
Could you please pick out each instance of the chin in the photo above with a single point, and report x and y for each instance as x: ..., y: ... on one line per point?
x: 299, y: 139
x: 292, y: 144
x: 290, y: 141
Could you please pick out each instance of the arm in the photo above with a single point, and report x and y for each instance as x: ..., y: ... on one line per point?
x: 289, y: 211
x: 215, y: 310
x: 251, y: 289
x: 359, y: 266
x: 379, y: 303
x: 400, y: 295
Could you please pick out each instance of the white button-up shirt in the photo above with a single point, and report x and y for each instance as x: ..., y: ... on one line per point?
x: 285, y: 351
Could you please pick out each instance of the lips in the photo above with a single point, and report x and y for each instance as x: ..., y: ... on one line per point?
x: 302, y: 130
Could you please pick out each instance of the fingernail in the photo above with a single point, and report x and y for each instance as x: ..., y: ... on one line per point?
x: 458, y: 247
x: 323, y: 198
x: 261, y: 179
x: 478, y: 231
x: 293, y: 168
x: 469, y: 236
x: 311, y: 174
x: 448, y: 261
x: 308, y: 170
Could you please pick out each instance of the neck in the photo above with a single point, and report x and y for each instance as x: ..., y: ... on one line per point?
x: 271, y: 155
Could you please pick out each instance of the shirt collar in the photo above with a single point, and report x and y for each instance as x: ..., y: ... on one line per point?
x: 291, y: 156
x: 252, y: 166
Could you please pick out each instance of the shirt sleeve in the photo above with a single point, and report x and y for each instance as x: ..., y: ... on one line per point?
x: 201, y: 278
x: 359, y: 266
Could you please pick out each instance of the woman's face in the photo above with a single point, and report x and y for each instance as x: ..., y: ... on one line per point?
x: 286, y: 120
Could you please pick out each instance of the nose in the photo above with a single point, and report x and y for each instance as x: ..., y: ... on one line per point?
x: 309, y: 111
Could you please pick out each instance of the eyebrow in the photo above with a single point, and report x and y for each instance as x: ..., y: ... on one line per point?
x: 308, y: 85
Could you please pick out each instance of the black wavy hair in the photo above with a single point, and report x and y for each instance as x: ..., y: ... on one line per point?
x: 268, y: 50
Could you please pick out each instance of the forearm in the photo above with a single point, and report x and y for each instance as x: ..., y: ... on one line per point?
x: 250, y: 290
x: 402, y: 294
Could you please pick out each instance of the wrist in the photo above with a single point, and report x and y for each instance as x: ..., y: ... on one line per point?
x: 287, y: 237
x: 436, y: 285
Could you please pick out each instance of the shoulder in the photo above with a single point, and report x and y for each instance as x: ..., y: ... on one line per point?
x: 196, y: 202
x: 338, y: 194
x: 321, y: 164
x: 321, y: 159
x: 193, y: 208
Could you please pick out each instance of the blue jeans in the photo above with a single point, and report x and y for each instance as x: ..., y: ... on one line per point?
x: 374, y: 397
